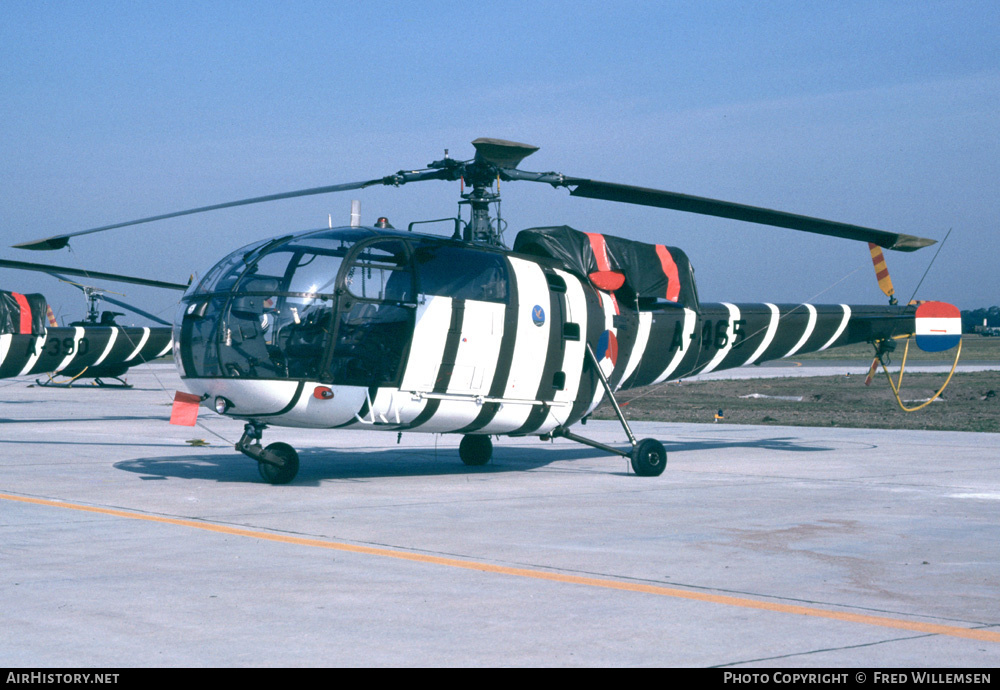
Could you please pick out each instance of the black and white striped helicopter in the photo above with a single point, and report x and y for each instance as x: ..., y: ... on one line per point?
x: 374, y: 328
x: 95, y: 349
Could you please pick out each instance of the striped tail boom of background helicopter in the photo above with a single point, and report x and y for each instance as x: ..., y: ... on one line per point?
x: 29, y: 345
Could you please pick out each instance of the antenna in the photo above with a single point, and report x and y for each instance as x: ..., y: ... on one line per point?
x: 355, y: 213
x: 940, y: 246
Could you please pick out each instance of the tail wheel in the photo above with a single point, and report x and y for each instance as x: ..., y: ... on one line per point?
x: 273, y: 474
x: 649, y: 458
x: 475, y: 450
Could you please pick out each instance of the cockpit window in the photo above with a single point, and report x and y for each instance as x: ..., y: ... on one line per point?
x: 306, y: 263
x: 461, y: 273
x: 223, y: 275
x: 381, y: 272
x: 266, y: 310
x: 318, y: 260
x: 316, y: 274
x: 267, y: 274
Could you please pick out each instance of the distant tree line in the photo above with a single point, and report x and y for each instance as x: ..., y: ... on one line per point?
x: 972, y: 320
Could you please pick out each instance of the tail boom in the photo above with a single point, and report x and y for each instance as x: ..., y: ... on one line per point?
x: 682, y: 343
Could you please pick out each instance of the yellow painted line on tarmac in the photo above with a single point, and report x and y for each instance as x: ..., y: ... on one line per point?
x: 843, y: 616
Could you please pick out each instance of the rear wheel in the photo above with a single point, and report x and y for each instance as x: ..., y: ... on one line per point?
x: 649, y: 458
x: 274, y: 474
x: 475, y: 450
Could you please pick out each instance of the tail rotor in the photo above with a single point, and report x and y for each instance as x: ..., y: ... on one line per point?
x: 937, y: 327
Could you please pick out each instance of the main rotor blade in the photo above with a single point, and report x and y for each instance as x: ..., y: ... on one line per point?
x: 752, y: 214
x: 60, y: 241
x: 112, y: 300
x: 644, y: 196
x: 43, y: 268
x: 137, y: 310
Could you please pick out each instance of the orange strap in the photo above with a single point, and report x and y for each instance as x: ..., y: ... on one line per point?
x: 669, y: 270
x: 22, y: 302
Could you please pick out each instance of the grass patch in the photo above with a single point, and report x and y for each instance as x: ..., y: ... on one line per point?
x: 975, y: 348
x: 971, y: 402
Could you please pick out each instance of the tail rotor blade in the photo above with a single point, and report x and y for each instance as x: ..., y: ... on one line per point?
x: 871, y: 372
x: 882, y: 272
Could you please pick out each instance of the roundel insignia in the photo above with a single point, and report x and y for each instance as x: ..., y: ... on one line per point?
x: 537, y: 315
x: 607, y: 347
x: 938, y: 326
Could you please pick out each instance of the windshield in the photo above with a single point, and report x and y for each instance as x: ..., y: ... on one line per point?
x: 266, y: 310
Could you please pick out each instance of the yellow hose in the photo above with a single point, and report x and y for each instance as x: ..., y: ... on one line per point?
x: 896, y: 385
x: 52, y: 378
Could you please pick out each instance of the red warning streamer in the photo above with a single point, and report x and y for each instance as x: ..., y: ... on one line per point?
x: 185, y: 409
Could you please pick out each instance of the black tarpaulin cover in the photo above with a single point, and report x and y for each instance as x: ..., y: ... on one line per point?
x: 22, y: 314
x: 650, y: 270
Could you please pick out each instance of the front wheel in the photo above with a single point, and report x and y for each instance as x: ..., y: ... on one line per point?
x: 275, y: 474
x: 649, y: 458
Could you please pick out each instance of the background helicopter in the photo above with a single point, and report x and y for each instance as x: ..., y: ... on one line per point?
x: 94, y: 348
x: 399, y: 331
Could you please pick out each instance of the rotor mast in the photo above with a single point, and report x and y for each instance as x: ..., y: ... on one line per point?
x: 481, y: 228
x: 492, y: 156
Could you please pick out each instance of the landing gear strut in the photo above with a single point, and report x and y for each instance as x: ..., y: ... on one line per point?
x: 277, y: 464
x: 648, y: 456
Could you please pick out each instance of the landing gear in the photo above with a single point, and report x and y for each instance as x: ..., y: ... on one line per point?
x: 274, y: 474
x: 277, y: 464
x: 649, y: 458
x: 475, y: 450
x: 68, y: 383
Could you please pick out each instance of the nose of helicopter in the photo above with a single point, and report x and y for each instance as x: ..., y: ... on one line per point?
x: 290, y: 403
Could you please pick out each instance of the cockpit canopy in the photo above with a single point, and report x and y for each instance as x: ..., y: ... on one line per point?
x: 329, y: 305
x: 306, y: 264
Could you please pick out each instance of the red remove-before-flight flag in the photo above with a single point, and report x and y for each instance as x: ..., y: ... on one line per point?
x: 185, y: 409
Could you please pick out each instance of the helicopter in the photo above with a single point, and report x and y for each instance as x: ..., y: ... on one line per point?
x: 94, y: 348
x: 376, y: 328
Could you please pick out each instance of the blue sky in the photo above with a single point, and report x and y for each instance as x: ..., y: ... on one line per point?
x: 885, y: 114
